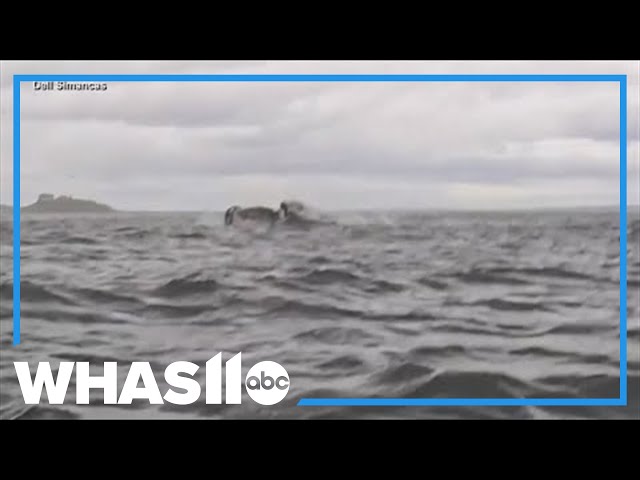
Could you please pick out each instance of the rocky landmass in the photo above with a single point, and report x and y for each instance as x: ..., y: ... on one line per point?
x: 47, y: 203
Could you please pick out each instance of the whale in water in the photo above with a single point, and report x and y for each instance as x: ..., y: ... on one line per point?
x: 254, y: 214
x: 291, y: 208
x: 290, y: 212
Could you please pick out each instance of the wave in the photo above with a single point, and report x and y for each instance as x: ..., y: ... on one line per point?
x: 88, y: 357
x: 189, y: 285
x: 335, y: 335
x: 549, y: 272
x: 438, y: 351
x: 33, y: 292
x: 329, y: 276
x: 585, y: 386
x: 189, y: 236
x: 433, y: 284
x: 45, y: 412
x: 459, y: 384
x: 79, y: 241
x: 343, y: 362
x: 510, y: 305
x: 542, y: 352
x: 488, y: 276
x: 173, y: 312
x: 402, y: 373
x: 105, y: 296
x: 299, y: 309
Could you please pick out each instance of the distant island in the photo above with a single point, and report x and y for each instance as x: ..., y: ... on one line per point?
x: 47, y: 203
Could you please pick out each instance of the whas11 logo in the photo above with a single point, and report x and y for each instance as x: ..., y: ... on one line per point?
x: 267, y: 382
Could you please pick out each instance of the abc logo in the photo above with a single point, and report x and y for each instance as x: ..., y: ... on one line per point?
x: 267, y: 383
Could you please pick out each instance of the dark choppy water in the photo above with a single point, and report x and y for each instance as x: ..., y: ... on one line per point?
x: 395, y: 305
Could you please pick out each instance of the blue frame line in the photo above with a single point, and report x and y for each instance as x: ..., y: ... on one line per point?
x: 461, y: 402
x: 383, y: 402
x: 16, y: 210
x: 623, y: 237
x: 319, y: 78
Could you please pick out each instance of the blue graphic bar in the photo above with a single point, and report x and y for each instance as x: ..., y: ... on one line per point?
x: 16, y: 211
x: 460, y: 402
x: 623, y: 238
x: 319, y: 78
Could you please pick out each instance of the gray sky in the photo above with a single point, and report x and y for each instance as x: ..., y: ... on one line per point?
x: 193, y: 146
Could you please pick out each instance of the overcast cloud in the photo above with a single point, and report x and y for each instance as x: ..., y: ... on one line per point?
x: 194, y: 146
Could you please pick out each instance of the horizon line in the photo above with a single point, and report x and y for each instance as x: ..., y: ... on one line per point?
x: 372, y: 209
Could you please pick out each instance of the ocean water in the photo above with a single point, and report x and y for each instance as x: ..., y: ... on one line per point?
x: 378, y: 304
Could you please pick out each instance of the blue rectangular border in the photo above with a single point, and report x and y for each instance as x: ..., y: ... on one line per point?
x: 620, y: 79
